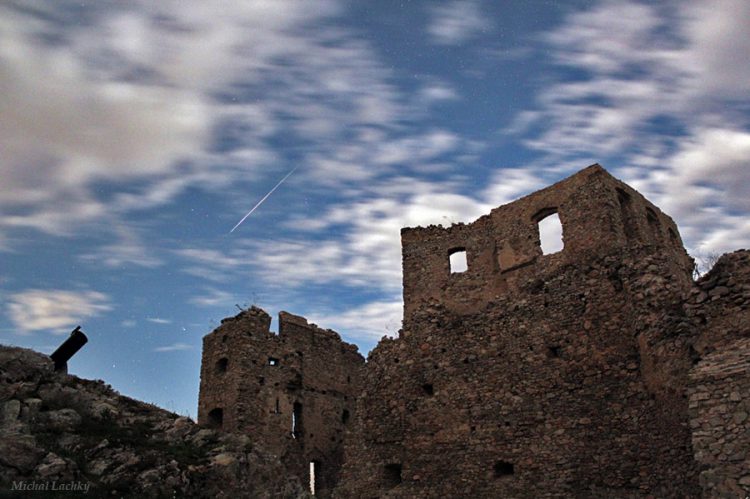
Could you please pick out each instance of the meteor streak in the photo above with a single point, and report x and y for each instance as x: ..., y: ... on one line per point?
x: 264, y: 198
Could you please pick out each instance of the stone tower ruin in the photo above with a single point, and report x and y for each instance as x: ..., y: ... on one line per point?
x: 600, y: 370
x: 293, y: 392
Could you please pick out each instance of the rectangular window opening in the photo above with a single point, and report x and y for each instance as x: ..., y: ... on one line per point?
x: 392, y: 474
x: 458, y: 262
x: 503, y: 469
x: 314, y: 472
x: 272, y: 361
x: 551, y: 234
x: 296, y: 420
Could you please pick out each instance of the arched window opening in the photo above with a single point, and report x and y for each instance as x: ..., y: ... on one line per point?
x: 653, y: 221
x: 216, y: 418
x: 458, y: 261
x: 673, y: 236
x: 626, y: 214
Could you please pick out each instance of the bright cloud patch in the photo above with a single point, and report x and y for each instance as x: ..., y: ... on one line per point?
x: 456, y: 22
x: 371, y: 321
x: 175, y: 347
x: 661, y: 104
x: 55, y: 310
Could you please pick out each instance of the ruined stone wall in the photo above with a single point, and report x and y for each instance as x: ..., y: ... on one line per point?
x: 719, y: 409
x: 293, y: 393
x: 535, y: 375
x: 720, y: 302
x: 599, y: 215
x: 601, y: 370
x: 719, y: 387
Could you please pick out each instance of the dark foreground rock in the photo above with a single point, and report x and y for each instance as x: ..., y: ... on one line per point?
x: 61, y: 435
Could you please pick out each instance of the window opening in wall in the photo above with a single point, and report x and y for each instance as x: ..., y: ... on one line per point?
x: 392, y: 474
x: 272, y: 361
x: 224, y: 339
x: 653, y: 221
x: 550, y: 233
x: 296, y: 420
x: 277, y: 409
x: 458, y: 261
x: 626, y: 214
x: 428, y: 389
x: 553, y: 351
x: 345, y: 416
x: 221, y: 365
x: 314, y: 471
x: 503, y: 469
x: 216, y: 418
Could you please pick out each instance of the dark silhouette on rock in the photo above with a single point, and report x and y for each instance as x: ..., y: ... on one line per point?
x: 57, y: 428
x: 68, y: 349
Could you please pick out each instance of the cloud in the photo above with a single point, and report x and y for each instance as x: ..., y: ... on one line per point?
x: 659, y: 100
x: 158, y: 320
x: 437, y: 92
x: 142, y: 102
x: 213, y: 297
x: 456, y: 22
x: 128, y: 249
x: 130, y: 95
x: 370, y: 321
x: 55, y: 310
x: 357, y: 243
x: 704, y: 184
x: 175, y: 347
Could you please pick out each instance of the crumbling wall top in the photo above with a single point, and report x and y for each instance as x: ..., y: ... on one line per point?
x: 598, y: 215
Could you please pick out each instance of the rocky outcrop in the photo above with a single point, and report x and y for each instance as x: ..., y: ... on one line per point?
x: 60, y: 432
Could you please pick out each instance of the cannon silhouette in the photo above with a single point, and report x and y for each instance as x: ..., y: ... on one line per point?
x: 64, y: 352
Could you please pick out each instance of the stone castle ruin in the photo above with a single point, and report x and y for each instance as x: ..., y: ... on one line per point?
x: 600, y: 370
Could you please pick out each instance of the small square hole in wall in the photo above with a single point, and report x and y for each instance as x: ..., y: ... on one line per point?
x: 428, y: 389
x: 392, y: 474
x: 503, y: 469
x: 221, y: 365
x: 272, y: 361
x: 458, y: 261
x: 553, y: 351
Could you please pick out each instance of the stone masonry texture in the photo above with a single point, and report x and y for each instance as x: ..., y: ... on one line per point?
x: 601, y: 370
x: 294, y: 392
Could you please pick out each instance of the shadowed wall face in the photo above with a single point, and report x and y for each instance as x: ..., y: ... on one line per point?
x: 599, y: 370
x: 292, y: 393
x: 534, y: 372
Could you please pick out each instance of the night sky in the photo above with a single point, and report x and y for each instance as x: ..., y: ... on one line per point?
x: 135, y: 135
